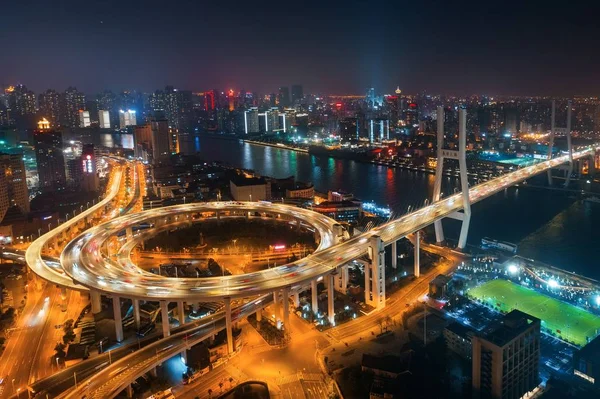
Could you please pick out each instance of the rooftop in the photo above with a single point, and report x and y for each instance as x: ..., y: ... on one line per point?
x: 460, y: 329
x: 591, y: 350
x: 388, y: 363
x: 511, y: 326
x: 247, y: 181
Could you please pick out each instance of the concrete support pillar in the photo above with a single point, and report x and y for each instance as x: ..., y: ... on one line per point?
x: 276, y: 308
x: 180, y: 313
x: 417, y: 254
x: 228, y: 325
x: 338, y: 233
x: 118, y: 318
x: 285, y: 303
x: 184, y: 355
x: 259, y: 315
x: 129, y: 233
x: 395, y: 254
x: 96, y: 300
x: 218, y: 215
x: 341, y: 279
x: 296, y: 299
x: 298, y: 224
x: 63, y: 297
x: 314, y: 297
x: 377, y: 273
x: 164, y: 314
x: 330, y: 300
x: 129, y: 391
x: 136, y: 312
x: 153, y: 372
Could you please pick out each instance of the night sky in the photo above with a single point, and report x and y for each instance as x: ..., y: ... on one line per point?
x: 451, y: 47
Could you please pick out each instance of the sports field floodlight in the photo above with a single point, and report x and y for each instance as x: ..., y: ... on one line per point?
x: 552, y: 283
x: 513, y: 269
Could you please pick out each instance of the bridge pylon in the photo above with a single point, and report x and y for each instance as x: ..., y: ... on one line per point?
x: 569, y: 145
x: 551, y: 140
x: 460, y: 156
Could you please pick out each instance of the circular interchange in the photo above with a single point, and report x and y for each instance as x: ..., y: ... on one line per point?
x: 85, y: 263
x: 82, y: 262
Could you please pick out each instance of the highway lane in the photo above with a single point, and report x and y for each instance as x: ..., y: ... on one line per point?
x: 33, y: 255
x: 36, y: 335
x: 81, y: 260
x: 28, y: 329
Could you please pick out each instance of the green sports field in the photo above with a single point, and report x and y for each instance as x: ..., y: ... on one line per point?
x: 566, y: 321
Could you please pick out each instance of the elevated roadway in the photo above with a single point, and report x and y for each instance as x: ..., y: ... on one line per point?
x: 83, y: 261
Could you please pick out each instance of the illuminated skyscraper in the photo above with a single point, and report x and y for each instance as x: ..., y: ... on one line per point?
x: 49, y: 102
x: 209, y: 101
x: 104, y: 119
x: 251, y: 120
x: 72, y: 101
x: 48, y: 146
x: 127, y: 118
x: 21, y: 101
x: 231, y: 99
x: 84, y: 118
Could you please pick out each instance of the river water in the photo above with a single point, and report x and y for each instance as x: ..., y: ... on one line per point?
x: 549, y: 226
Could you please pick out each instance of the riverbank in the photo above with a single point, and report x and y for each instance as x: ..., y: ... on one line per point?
x: 276, y: 145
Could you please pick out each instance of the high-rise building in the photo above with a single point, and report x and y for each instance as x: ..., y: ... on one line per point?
x: 209, y: 101
x: 72, y: 101
x: 297, y: 93
x: 4, y: 201
x: 127, y: 118
x: 49, y: 102
x: 13, y: 167
x: 84, y: 118
x: 161, y: 140
x: 251, y: 124
x: 142, y: 135
x: 104, y: 119
x: 89, y: 176
x: 506, y: 360
x: 231, y: 99
x: 379, y: 130
x: 284, y: 96
x: 21, y: 101
x: 48, y: 146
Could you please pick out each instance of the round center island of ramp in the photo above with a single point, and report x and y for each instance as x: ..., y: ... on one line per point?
x: 91, y: 260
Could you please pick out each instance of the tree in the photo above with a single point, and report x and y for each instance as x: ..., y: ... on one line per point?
x: 60, y: 349
x: 230, y: 382
x: 210, y: 393
x: 68, y: 325
x: 381, y: 323
x: 221, y: 385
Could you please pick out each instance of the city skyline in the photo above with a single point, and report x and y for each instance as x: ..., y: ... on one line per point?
x: 516, y: 49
